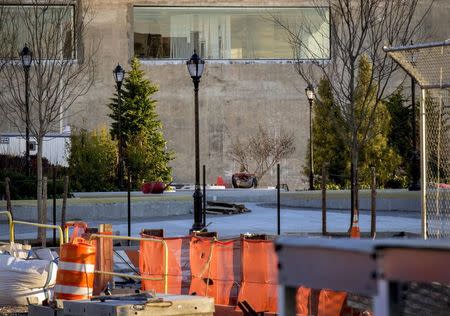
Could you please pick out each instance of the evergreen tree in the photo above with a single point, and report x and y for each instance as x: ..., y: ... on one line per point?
x: 145, y: 151
x: 377, y: 151
x: 328, y: 147
x: 400, y: 136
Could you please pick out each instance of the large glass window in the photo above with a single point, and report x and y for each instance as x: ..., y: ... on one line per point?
x: 48, y: 30
x: 228, y: 32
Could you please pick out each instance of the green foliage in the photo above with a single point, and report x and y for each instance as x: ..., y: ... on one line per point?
x: 400, y: 136
x: 377, y: 151
x: 92, y: 161
x: 331, y: 135
x: 329, y: 148
x: 141, y: 130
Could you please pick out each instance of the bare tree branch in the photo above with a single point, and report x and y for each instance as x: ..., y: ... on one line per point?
x: 63, y: 67
x: 357, y: 28
x: 262, y: 151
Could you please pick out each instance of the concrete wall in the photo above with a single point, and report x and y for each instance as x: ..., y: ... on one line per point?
x: 234, y: 99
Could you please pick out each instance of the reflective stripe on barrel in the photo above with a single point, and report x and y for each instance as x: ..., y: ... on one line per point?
x: 75, y: 280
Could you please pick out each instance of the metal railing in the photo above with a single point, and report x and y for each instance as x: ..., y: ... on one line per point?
x: 166, y: 258
x: 11, y: 228
x: 13, y: 223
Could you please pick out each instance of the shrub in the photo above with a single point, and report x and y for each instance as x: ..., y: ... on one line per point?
x: 92, y: 161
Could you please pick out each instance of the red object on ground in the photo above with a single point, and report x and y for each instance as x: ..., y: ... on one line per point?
x: 220, y: 181
x: 154, y: 187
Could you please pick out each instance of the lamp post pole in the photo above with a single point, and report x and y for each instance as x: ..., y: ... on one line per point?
x: 27, y: 57
x: 414, y: 184
x: 310, y: 95
x: 415, y: 159
x: 195, y: 67
x: 27, y: 119
x: 198, y: 196
x: 119, y: 75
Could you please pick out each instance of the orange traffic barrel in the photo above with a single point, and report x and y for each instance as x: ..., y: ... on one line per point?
x: 75, y: 279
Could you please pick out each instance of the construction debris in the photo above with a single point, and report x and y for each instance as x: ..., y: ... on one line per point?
x: 225, y: 208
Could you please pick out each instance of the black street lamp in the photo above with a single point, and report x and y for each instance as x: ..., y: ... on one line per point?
x: 26, y: 57
x: 311, y: 96
x: 414, y: 184
x: 195, y: 67
x: 119, y: 75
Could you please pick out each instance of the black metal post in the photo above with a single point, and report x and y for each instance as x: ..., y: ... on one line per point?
x: 129, y: 205
x: 54, y: 203
x: 311, y: 157
x: 27, y: 119
x: 198, y: 225
x: 204, y: 195
x: 278, y: 201
x: 120, y: 170
x: 415, y: 158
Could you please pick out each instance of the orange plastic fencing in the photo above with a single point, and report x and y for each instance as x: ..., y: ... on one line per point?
x: 303, y: 301
x: 331, y: 303
x: 212, y: 268
x: 229, y: 271
x: 259, y: 275
x: 151, y: 264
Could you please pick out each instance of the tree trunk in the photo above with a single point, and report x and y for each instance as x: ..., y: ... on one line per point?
x: 354, y: 201
x: 43, y: 217
x: 41, y: 231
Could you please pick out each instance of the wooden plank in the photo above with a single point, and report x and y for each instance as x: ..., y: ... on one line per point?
x: 104, y: 259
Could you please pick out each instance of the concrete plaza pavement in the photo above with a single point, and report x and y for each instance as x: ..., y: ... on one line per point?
x: 262, y: 219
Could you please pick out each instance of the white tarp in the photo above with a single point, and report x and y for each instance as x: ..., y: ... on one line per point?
x: 24, y: 282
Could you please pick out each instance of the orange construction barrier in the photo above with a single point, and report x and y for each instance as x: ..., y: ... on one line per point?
x: 303, y: 297
x: 331, y: 303
x: 212, y: 269
x: 151, y: 264
x: 75, y: 279
x: 259, y: 275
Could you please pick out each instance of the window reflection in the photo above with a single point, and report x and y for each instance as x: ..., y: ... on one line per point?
x: 46, y: 28
x: 226, y: 33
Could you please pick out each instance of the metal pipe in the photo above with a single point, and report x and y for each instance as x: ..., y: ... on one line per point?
x: 278, y: 201
x: 166, y: 250
x: 204, y: 196
x: 416, y: 46
x: 60, y: 231
x: 54, y: 203
x: 129, y: 205
x: 423, y: 164
x: 11, y: 225
x: 131, y: 276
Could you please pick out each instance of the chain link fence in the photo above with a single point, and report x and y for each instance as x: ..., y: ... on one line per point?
x: 429, y: 65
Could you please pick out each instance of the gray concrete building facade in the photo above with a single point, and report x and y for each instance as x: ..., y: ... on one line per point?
x: 244, y: 85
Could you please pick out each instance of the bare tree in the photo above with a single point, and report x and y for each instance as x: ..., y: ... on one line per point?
x: 63, y: 69
x: 345, y: 31
x: 262, y: 151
